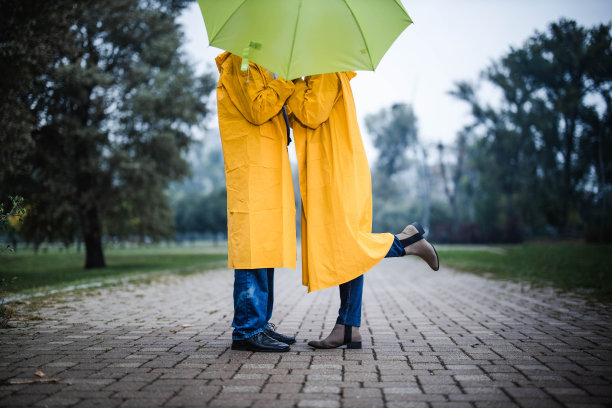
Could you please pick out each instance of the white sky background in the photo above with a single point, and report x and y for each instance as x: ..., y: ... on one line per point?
x: 449, y: 41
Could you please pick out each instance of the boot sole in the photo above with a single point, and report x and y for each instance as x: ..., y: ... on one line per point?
x: 354, y: 345
x: 285, y: 342
x: 437, y: 257
x: 256, y: 349
x: 238, y: 348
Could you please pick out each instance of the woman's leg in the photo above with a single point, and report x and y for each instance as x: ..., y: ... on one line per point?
x: 396, y: 249
x: 351, y: 294
x: 346, y: 330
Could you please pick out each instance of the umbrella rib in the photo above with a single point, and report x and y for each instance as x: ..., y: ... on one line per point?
x: 297, y: 19
x: 361, y: 32
x: 226, y: 20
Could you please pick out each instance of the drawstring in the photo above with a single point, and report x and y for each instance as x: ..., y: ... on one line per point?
x: 287, y: 125
x: 286, y: 118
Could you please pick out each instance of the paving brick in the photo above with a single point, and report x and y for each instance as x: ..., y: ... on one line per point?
x: 98, y: 403
x: 318, y: 404
x: 444, y: 340
x: 21, y: 400
x: 357, y: 393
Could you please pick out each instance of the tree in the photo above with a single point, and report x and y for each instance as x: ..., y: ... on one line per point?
x: 540, y: 147
x: 566, y: 67
x: 395, y: 131
x: 115, y: 118
x: 452, y: 186
x: 33, y: 35
x: 201, y: 213
x: 504, y: 158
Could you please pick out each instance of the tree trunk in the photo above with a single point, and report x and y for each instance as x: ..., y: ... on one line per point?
x: 567, y: 189
x: 87, y: 184
x: 92, y: 236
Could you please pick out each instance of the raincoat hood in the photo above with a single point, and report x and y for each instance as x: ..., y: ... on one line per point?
x: 220, y: 60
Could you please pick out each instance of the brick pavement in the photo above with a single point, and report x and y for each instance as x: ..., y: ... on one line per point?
x: 443, y: 339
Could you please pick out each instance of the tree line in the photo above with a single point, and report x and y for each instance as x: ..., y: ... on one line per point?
x: 536, y: 163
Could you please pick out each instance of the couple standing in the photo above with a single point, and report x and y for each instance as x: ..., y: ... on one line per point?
x: 338, y: 246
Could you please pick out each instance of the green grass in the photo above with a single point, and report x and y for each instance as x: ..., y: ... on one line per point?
x: 25, y: 271
x: 567, y: 266
x: 563, y: 265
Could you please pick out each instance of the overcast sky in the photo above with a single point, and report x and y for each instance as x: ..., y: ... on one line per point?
x: 450, y: 40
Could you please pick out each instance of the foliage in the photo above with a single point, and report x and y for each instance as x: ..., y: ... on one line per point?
x: 14, y: 215
x: 199, y: 202
x: 9, y: 218
x: 544, y: 155
x: 395, y: 131
x: 458, y: 182
x: 391, y: 216
x: 33, y: 35
x: 197, y: 212
x: 113, y: 110
x: 207, y: 171
x: 564, y: 265
x: 6, y: 313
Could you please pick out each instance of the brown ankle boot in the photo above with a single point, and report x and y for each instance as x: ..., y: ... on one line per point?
x: 414, y: 244
x: 340, y: 335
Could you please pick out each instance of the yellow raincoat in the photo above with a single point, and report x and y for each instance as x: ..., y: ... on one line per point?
x: 335, y: 183
x: 260, y: 201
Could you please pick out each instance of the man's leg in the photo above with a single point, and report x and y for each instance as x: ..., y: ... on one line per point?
x: 250, y: 302
x: 270, y: 330
x: 252, y: 309
x: 270, y: 306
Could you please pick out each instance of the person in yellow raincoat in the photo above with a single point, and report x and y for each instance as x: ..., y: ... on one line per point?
x: 260, y: 200
x: 338, y: 245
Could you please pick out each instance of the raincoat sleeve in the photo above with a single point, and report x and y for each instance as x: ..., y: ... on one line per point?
x: 313, y: 100
x: 257, y: 101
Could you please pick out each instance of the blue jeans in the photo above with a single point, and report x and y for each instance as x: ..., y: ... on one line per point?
x: 253, y: 301
x: 351, y: 292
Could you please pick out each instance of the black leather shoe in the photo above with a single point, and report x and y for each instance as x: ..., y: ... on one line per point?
x: 259, y: 342
x: 270, y: 332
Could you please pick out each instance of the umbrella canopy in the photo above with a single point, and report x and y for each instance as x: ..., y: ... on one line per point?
x: 295, y: 38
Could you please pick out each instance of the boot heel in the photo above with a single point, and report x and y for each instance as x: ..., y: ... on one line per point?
x: 354, y: 345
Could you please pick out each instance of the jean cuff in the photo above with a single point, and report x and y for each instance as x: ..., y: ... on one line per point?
x: 244, y: 336
x: 342, y: 322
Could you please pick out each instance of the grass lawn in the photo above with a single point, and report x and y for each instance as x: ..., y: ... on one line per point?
x: 563, y: 265
x: 54, y: 269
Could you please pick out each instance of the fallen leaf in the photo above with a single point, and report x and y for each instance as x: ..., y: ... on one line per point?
x: 187, y: 325
x: 39, y: 373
